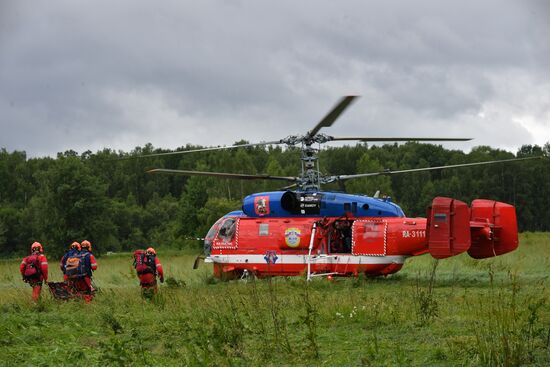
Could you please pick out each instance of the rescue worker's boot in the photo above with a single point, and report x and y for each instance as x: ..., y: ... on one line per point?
x: 88, y: 293
x: 148, y: 291
x: 36, y: 289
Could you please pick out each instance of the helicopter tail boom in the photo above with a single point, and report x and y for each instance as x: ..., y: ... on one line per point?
x: 487, y: 229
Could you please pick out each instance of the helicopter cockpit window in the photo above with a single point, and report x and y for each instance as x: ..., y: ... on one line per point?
x: 227, y: 229
x: 210, y: 236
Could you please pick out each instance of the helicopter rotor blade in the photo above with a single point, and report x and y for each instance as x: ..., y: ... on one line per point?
x: 329, y: 119
x: 238, y: 176
x: 203, y: 150
x: 390, y: 172
x: 366, y: 139
x: 288, y: 187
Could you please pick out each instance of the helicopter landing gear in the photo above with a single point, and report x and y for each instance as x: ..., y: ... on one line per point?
x: 247, y: 275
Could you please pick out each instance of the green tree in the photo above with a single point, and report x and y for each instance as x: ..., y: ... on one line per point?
x: 193, y: 198
x: 71, y: 205
x: 214, y: 209
x: 369, y: 185
x: 273, y: 168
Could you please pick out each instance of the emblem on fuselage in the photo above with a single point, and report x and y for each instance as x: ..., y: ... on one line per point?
x: 271, y: 257
x: 292, y: 237
x: 261, y: 205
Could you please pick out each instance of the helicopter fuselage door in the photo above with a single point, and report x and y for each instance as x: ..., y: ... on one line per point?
x: 338, y: 241
x: 369, y: 237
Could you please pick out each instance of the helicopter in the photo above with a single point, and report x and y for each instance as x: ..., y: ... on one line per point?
x: 301, y: 229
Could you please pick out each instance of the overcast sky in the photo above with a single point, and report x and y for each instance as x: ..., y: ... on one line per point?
x: 85, y: 75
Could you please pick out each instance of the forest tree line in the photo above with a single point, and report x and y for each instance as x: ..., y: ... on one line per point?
x: 116, y: 205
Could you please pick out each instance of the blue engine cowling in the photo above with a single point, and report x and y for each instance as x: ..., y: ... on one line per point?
x: 317, y: 204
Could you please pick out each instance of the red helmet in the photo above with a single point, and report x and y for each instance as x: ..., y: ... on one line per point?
x: 151, y: 251
x: 75, y: 245
x: 36, y: 247
x: 86, y: 244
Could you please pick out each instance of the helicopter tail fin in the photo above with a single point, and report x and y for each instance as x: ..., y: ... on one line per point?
x: 487, y: 229
x: 494, y: 229
x: 448, y: 228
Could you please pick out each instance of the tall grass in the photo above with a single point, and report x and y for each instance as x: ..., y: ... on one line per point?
x: 509, y: 332
x: 426, y: 304
x: 457, y: 311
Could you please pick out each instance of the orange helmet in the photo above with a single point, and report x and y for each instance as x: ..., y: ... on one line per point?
x: 36, y: 247
x: 86, y: 244
x: 75, y: 245
x: 151, y: 251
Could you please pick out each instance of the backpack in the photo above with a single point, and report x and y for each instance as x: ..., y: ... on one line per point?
x: 77, y: 265
x: 32, y: 267
x: 144, y: 263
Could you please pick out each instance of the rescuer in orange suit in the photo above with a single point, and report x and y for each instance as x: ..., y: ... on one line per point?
x: 34, y: 269
x: 84, y: 284
x: 148, y: 278
x: 73, y: 250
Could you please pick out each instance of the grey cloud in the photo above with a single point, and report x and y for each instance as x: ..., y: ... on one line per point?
x: 79, y: 75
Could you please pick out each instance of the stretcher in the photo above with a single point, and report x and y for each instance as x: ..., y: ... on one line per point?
x: 67, y: 290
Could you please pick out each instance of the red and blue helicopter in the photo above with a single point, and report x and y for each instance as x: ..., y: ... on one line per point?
x: 301, y: 229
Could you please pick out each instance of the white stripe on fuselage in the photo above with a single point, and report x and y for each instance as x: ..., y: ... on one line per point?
x: 302, y: 259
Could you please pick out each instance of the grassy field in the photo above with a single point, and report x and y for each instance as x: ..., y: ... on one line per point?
x: 455, y: 312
